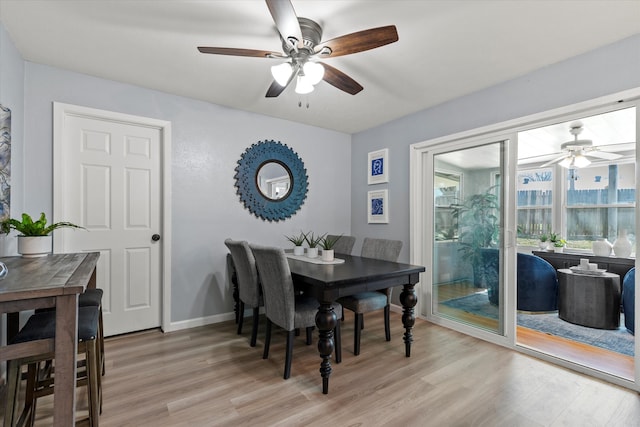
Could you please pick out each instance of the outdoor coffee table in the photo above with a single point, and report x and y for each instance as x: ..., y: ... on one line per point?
x: 591, y: 300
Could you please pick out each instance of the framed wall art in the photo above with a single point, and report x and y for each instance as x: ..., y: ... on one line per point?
x: 378, y: 166
x: 377, y: 207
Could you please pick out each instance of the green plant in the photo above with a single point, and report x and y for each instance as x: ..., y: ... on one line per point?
x: 29, y: 227
x: 327, y: 243
x: 297, y: 240
x: 544, y: 238
x: 479, y: 229
x: 557, y: 241
x: 313, y: 240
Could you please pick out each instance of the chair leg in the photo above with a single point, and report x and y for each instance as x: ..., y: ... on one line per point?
x: 356, y: 333
x: 254, y: 328
x: 387, y: 325
x: 289, y: 354
x: 267, y: 340
x: 240, y: 318
x: 309, y: 335
x: 337, y: 335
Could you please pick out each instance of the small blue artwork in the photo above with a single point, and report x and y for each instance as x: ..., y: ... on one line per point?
x: 377, y: 206
x: 377, y: 167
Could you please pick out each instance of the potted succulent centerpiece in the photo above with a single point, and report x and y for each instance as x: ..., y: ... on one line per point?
x: 298, y: 241
x: 327, y: 243
x: 313, y: 241
x: 557, y: 242
x: 34, y: 239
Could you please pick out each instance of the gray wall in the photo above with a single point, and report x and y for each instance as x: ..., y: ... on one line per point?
x: 604, y: 71
x: 207, y: 141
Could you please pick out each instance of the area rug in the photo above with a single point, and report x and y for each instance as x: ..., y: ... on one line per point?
x: 618, y: 340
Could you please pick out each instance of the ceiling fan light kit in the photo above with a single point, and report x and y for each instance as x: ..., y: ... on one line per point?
x: 576, y: 152
x: 302, y: 46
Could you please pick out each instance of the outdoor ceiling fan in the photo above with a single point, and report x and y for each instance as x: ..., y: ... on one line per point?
x: 579, y: 152
x: 302, y: 46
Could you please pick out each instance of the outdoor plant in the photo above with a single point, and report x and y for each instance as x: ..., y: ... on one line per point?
x: 297, y: 240
x: 29, y: 227
x: 479, y: 229
x: 327, y: 243
x: 312, y: 240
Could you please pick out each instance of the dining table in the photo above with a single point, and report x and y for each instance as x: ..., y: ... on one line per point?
x: 349, y: 275
x: 55, y: 280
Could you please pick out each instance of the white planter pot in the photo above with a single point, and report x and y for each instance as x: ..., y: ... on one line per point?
x: 312, y: 252
x: 327, y: 254
x: 298, y: 250
x: 34, y: 246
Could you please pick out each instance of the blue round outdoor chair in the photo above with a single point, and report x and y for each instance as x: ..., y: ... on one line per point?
x: 628, y: 300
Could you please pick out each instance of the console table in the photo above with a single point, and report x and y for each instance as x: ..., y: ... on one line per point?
x: 614, y: 265
x: 592, y: 301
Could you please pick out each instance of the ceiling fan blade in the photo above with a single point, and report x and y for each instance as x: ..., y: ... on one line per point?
x: 240, y: 52
x: 539, y: 159
x: 359, y: 41
x: 284, y: 15
x: 556, y: 160
x: 276, y: 89
x: 337, y: 78
x: 602, y: 155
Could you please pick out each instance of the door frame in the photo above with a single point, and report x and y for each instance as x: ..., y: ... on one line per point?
x: 420, y: 252
x: 60, y: 112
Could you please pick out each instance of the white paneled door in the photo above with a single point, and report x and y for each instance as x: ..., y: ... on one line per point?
x: 108, y: 179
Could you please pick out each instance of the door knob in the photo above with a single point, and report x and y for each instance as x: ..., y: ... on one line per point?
x: 155, y: 237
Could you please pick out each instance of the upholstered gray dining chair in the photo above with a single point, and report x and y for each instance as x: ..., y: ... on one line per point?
x: 282, y: 306
x: 249, y: 293
x: 365, y: 302
x: 344, y: 245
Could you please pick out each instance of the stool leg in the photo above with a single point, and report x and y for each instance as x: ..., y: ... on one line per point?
x: 13, y: 382
x: 93, y: 381
x: 101, y: 342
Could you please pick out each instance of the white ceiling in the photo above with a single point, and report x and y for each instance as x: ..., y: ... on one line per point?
x: 446, y: 49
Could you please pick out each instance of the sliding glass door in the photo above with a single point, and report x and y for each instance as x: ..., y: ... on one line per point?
x: 467, y: 279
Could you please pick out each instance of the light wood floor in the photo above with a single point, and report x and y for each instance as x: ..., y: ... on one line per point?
x: 597, y: 358
x: 209, y: 376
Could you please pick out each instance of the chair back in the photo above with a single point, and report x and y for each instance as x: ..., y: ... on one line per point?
x: 629, y: 300
x: 537, y: 284
x: 384, y: 249
x: 277, y: 285
x: 344, y: 245
x: 246, y: 273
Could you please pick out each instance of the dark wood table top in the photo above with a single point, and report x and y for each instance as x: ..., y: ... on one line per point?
x: 356, y: 274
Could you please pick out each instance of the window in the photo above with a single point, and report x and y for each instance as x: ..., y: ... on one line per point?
x: 584, y: 203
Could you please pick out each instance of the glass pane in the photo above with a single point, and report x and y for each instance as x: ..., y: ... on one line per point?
x: 534, y: 199
x: 467, y: 276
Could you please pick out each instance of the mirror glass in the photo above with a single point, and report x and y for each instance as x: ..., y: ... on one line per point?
x: 273, y: 180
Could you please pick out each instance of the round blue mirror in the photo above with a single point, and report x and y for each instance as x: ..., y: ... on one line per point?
x: 271, y: 180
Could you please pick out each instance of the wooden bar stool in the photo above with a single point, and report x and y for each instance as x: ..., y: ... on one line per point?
x: 42, y: 326
x: 93, y: 297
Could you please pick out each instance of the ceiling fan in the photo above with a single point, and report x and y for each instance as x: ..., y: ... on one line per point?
x: 577, y: 153
x: 302, y: 46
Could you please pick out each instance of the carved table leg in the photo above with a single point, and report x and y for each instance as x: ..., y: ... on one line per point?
x: 326, y: 321
x: 409, y: 300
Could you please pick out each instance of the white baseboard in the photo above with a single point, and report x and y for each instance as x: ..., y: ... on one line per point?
x: 201, y: 321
